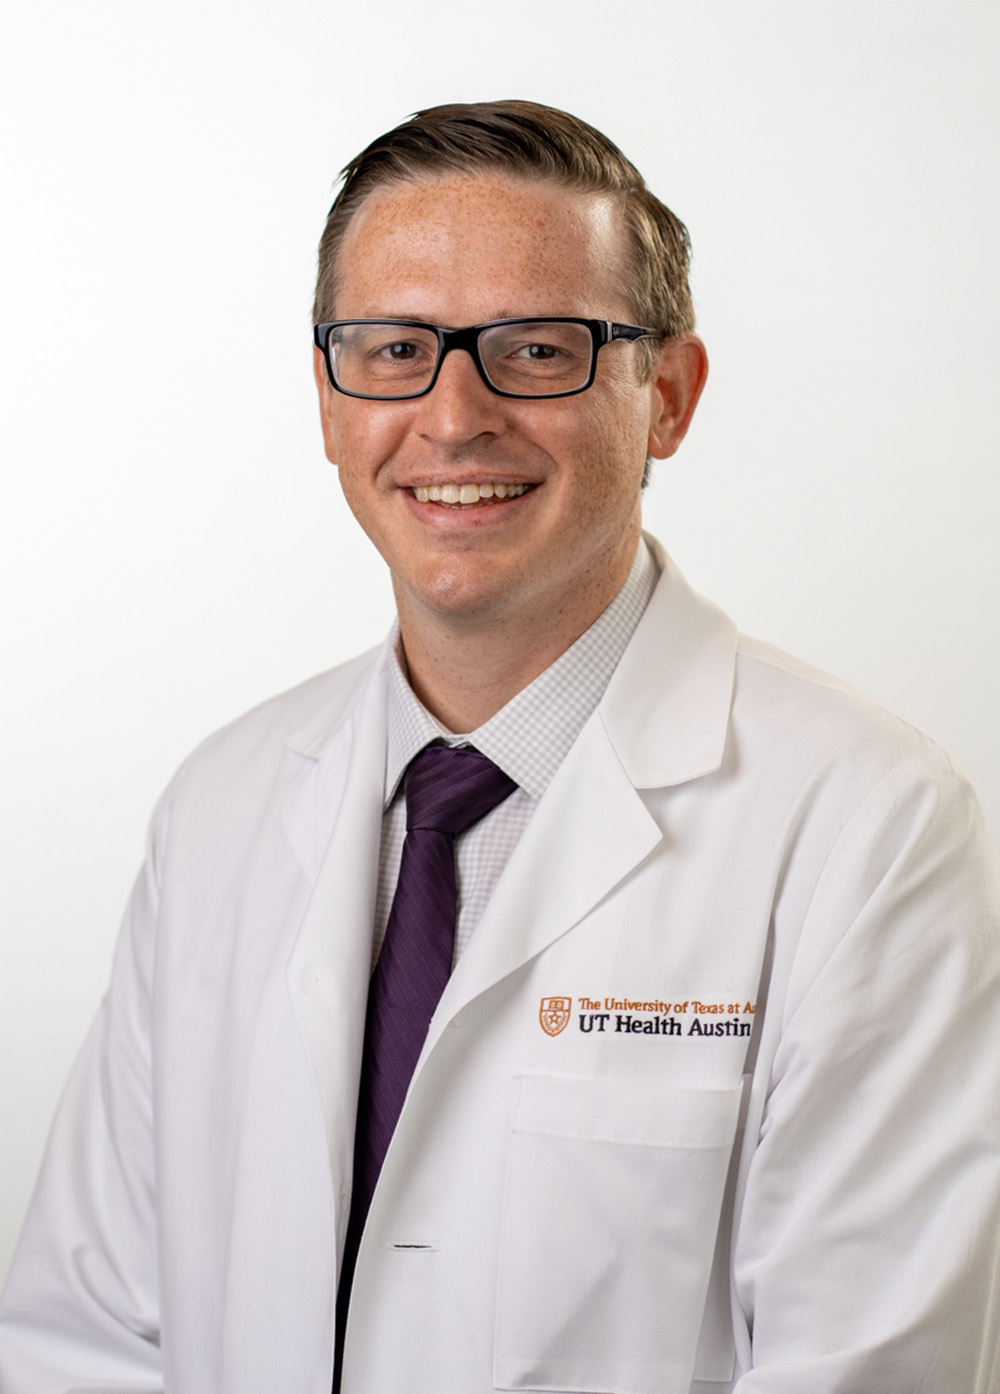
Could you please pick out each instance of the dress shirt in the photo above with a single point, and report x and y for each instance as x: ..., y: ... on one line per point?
x: 528, y: 738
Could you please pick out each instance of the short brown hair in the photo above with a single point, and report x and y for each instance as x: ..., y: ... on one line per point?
x: 526, y: 141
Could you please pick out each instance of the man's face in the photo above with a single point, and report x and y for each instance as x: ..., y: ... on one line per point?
x: 462, y: 250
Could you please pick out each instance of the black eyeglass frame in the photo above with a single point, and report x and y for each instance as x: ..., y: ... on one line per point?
x: 601, y: 332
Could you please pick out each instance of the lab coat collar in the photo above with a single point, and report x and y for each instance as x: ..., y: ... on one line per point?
x: 666, y: 708
x: 342, y: 745
x: 370, y: 673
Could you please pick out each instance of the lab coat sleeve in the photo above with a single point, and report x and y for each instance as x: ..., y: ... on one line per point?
x: 80, y: 1310
x: 867, y: 1252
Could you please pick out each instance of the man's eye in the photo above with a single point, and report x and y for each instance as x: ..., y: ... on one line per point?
x: 539, y: 352
x: 399, y: 352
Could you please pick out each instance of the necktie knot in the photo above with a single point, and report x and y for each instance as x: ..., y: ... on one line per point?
x: 448, y: 789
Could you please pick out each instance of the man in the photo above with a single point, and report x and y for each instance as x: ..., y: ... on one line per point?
x: 704, y: 1095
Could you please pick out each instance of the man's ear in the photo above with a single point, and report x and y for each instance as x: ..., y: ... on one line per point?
x: 325, y: 405
x: 676, y: 384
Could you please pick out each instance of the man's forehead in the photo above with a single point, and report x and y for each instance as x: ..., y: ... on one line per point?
x: 488, y: 198
x: 490, y: 225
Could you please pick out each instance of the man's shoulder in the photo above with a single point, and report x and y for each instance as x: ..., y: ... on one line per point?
x: 786, y: 705
x: 769, y: 677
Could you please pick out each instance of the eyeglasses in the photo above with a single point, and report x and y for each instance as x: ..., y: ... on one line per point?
x: 391, y: 360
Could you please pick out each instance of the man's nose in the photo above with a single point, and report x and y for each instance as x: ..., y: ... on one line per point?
x: 459, y: 406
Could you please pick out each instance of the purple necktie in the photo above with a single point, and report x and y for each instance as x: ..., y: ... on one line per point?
x: 447, y: 790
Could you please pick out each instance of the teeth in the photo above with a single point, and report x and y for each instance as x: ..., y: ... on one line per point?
x: 467, y: 493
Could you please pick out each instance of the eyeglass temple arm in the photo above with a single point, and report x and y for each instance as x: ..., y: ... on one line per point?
x: 629, y: 331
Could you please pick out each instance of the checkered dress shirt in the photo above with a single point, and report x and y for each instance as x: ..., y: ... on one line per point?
x: 528, y: 738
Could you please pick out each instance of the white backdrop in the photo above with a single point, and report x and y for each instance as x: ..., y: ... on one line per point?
x: 173, y: 544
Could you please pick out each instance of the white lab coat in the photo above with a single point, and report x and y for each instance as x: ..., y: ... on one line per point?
x: 616, y: 1208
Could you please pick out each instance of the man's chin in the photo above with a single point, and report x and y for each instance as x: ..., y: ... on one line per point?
x: 466, y: 592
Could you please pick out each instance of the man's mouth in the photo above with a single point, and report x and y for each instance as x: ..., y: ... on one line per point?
x: 469, y: 495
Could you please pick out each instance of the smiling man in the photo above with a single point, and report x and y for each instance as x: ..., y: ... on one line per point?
x: 535, y: 517
x: 572, y: 994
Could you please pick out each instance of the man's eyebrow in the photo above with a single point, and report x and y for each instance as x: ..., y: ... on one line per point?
x: 500, y: 314
x: 420, y: 319
x: 541, y: 315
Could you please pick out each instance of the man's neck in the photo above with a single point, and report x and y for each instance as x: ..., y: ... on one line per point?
x: 465, y: 669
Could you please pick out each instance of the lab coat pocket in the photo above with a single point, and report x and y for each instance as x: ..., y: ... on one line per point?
x: 611, y: 1207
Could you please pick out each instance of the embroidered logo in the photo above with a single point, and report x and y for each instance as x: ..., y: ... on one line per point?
x: 627, y: 1016
x: 554, y: 1014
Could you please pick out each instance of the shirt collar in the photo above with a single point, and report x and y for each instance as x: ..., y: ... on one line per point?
x: 529, y: 737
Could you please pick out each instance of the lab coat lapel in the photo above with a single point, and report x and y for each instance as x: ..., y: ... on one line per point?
x: 663, y: 720
x: 588, y: 832
x: 333, y: 821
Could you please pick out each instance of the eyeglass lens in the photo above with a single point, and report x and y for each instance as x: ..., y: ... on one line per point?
x: 535, y: 359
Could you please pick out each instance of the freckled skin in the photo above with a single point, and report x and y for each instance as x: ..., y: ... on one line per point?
x: 508, y: 585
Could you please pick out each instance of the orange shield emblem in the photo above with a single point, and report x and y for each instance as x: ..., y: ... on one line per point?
x: 554, y: 1014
